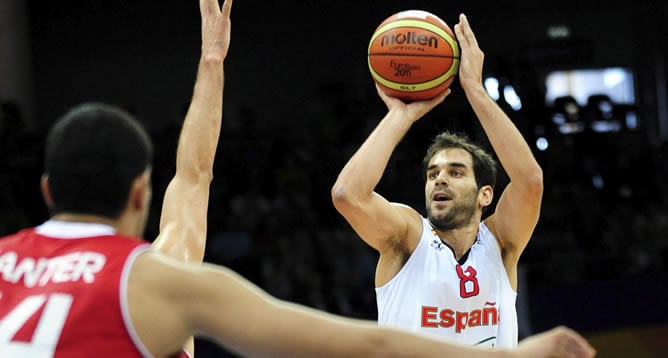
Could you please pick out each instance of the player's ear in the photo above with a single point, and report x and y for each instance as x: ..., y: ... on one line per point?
x: 140, y: 192
x: 46, y: 192
x: 485, y: 195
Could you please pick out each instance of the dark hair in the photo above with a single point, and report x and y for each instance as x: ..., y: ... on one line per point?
x: 92, y: 155
x: 484, y: 166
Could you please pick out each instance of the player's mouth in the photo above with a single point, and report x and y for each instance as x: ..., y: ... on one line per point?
x: 441, y: 197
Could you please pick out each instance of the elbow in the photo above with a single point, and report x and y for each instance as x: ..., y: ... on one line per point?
x: 212, y: 60
x: 201, y: 168
x: 206, y: 176
x: 194, y: 171
x: 202, y: 176
x: 339, y: 195
x: 347, y: 196
x: 534, y: 180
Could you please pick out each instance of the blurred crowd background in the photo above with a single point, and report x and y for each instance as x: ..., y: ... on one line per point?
x: 298, y: 104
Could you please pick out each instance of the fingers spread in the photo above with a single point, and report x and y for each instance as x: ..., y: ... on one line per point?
x: 227, y: 8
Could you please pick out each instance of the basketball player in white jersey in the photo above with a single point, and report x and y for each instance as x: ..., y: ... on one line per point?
x: 451, y: 273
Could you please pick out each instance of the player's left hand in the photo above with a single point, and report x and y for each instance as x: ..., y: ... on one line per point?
x: 472, y: 57
x: 216, y: 27
x: 561, y: 342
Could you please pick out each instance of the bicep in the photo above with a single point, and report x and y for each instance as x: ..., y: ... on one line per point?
x: 380, y: 223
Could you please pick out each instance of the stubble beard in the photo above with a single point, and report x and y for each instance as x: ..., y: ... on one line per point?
x: 458, y: 216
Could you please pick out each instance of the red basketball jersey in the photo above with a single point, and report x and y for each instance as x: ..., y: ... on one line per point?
x: 63, y: 292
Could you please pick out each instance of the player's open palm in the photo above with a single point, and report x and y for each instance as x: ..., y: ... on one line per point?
x: 472, y: 57
x: 216, y: 27
x: 558, y: 342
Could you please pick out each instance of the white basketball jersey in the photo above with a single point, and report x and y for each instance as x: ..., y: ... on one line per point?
x: 472, y: 303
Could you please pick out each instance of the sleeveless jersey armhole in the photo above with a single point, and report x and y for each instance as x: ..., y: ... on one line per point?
x: 123, y: 291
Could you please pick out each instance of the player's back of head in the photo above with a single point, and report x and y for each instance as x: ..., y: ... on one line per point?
x: 92, y: 155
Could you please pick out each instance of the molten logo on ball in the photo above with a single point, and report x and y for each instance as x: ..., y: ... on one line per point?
x: 409, y: 38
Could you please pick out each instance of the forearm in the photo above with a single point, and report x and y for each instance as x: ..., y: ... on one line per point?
x: 353, y: 338
x: 183, y: 221
x: 364, y: 170
x: 201, y: 128
x: 399, y: 343
x: 304, y: 332
x: 509, y: 145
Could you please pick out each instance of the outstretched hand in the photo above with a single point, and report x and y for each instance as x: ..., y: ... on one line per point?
x: 472, y: 57
x: 414, y: 110
x: 558, y: 342
x: 216, y: 28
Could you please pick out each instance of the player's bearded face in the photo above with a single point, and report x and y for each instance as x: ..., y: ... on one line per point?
x: 455, y: 213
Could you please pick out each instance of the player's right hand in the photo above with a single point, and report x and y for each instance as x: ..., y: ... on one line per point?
x: 414, y: 110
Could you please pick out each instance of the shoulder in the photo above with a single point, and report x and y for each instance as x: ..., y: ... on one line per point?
x: 414, y: 228
x: 166, y: 275
x: 414, y: 217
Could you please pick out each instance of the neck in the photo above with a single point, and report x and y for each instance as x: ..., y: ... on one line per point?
x: 460, y: 239
x: 121, y: 226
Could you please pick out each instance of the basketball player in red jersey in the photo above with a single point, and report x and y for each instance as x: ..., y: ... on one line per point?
x: 84, y: 284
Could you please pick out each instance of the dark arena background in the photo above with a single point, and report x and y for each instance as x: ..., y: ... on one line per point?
x: 585, y: 81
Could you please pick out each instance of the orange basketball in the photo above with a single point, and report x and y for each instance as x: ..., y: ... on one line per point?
x: 413, y: 55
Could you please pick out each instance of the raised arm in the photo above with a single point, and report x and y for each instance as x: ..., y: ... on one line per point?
x: 219, y: 304
x: 381, y: 224
x: 183, y: 220
x: 518, y: 208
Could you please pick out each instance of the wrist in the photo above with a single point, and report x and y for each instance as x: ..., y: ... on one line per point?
x: 472, y: 86
x: 399, y: 119
x: 475, y: 91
